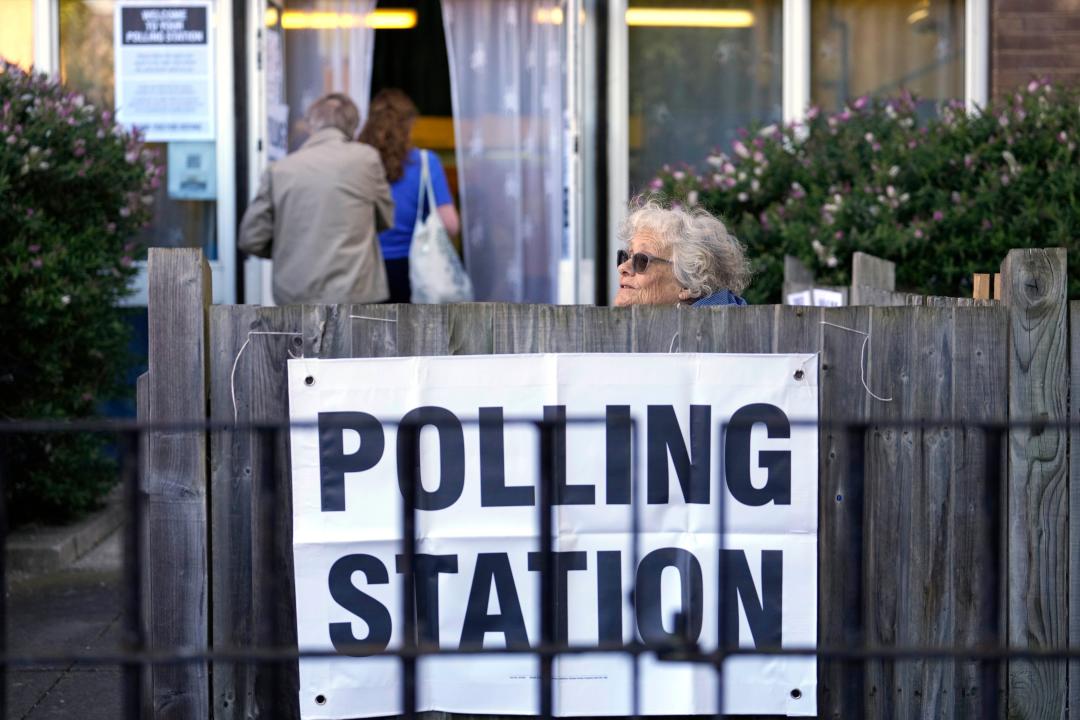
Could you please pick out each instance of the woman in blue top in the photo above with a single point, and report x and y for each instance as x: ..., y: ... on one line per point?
x: 389, y: 130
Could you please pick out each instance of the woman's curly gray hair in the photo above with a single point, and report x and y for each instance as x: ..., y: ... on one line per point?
x: 706, y: 257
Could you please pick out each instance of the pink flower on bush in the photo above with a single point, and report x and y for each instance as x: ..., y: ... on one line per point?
x: 938, y: 216
x: 126, y: 261
x: 654, y: 184
x: 34, y: 249
x: 740, y: 149
x: 36, y: 263
x: 918, y: 233
x: 861, y: 102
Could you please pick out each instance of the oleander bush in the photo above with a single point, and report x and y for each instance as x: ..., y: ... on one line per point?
x: 75, y: 189
x: 944, y: 197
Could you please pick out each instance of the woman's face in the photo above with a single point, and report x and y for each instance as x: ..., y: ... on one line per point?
x: 655, y: 286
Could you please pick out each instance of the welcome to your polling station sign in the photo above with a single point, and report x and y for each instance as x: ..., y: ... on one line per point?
x: 704, y: 427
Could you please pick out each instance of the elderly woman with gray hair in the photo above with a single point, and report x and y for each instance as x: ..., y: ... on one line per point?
x: 678, y: 256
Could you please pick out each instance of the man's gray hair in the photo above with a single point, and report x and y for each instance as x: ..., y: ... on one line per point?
x: 334, y: 110
x: 705, y: 257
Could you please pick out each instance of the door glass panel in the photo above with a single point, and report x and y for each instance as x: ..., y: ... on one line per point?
x: 17, y: 32
x: 86, y: 66
x: 881, y: 47
x: 699, y: 71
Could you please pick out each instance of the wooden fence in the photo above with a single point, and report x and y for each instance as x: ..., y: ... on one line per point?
x: 917, y: 515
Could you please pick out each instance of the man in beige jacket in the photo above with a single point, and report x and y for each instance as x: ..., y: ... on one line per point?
x: 318, y: 211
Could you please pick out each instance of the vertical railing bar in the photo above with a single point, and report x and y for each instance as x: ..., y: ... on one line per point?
x: 408, y: 589
x: 266, y: 517
x: 635, y: 552
x: 134, y: 672
x: 721, y: 527
x: 3, y: 575
x: 547, y: 586
x: 991, y: 561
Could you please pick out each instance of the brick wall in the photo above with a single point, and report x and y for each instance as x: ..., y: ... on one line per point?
x: 1033, y: 37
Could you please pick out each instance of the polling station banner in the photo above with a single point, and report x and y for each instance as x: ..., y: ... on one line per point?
x: 671, y: 438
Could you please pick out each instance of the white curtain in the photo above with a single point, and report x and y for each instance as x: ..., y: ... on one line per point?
x: 328, y: 60
x: 506, y: 77
x: 355, y: 48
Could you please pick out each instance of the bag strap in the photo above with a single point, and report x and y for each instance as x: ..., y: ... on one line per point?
x: 428, y: 184
x: 424, y: 181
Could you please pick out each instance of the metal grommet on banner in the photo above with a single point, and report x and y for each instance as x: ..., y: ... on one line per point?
x: 320, y: 699
x: 799, y: 374
x: 309, y: 380
x: 796, y: 694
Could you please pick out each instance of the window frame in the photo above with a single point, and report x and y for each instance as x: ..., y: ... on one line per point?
x: 795, y: 92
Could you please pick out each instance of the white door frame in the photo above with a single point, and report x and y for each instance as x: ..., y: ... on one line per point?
x: 258, y: 287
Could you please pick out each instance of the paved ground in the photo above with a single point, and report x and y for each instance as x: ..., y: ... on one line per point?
x: 78, y: 608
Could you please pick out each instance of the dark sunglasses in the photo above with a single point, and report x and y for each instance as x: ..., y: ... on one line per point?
x: 640, y: 260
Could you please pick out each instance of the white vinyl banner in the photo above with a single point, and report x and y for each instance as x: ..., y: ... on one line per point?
x: 671, y: 439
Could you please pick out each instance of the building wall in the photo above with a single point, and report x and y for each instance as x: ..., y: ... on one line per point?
x: 1033, y: 38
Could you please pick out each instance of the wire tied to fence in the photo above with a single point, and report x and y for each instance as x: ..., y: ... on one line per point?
x: 236, y: 363
x: 862, y: 359
x: 368, y: 317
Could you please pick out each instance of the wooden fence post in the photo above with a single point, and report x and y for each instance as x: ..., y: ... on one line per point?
x: 175, y: 571
x: 1034, y: 289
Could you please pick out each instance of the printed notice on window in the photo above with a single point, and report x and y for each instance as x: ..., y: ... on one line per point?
x: 164, y: 69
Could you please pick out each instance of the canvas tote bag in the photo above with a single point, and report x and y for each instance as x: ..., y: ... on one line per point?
x: 435, y: 271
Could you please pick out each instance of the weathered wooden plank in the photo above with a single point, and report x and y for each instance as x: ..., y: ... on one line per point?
x: 471, y: 327
x: 1034, y: 291
x: 840, y: 520
x: 1074, y: 507
x: 980, y: 372
x: 605, y: 329
x: 273, y: 595
x: 560, y: 329
x: 870, y: 271
x: 655, y: 328
x: 797, y: 277
x: 908, y: 522
x: 880, y: 297
x: 797, y: 272
x: 374, y: 330
x: 726, y: 329
x: 230, y: 513
x: 422, y: 330
x: 797, y: 329
x: 328, y: 331
x: 176, y: 573
x: 516, y: 329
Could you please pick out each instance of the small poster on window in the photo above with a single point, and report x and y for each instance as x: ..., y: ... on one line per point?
x: 163, y: 55
x: 191, y: 171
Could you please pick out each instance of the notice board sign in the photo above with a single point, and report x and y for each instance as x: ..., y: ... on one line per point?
x: 668, y: 436
x: 164, y: 55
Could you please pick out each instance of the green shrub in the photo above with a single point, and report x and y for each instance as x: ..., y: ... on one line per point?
x: 74, y: 191
x: 943, y: 198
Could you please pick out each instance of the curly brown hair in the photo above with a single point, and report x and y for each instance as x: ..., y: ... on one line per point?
x: 387, y: 129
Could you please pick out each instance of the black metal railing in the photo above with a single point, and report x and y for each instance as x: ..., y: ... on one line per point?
x: 136, y: 657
